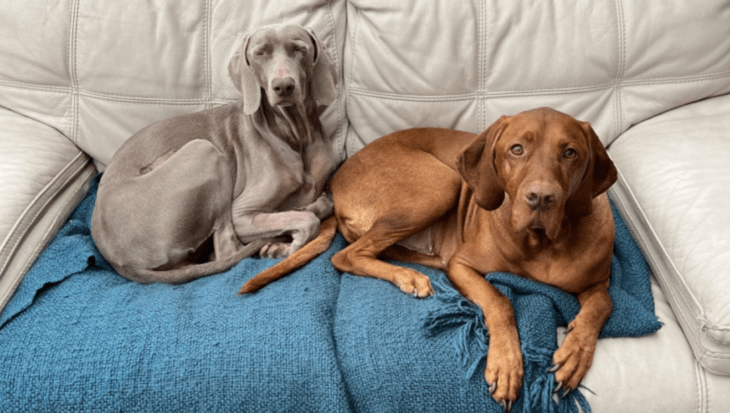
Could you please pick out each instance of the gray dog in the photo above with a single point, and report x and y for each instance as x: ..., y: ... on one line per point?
x: 192, y: 195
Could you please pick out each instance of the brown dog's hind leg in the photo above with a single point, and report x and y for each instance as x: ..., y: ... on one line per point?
x: 360, y: 258
x: 407, y: 192
x: 400, y: 253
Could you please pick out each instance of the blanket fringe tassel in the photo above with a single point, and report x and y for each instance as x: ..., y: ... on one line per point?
x: 538, y: 393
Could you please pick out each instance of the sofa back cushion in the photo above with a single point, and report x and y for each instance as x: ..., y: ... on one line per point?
x: 99, y: 71
x: 463, y: 64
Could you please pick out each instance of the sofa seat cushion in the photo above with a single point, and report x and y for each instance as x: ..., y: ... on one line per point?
x: 673, y: 188
x: 77, y: 336
x: 655, y: 373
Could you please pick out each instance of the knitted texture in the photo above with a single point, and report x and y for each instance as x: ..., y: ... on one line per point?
x: 76, y: 336
x: 79, y: 337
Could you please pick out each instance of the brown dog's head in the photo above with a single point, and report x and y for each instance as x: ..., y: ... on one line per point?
x: 547, y: 163
x: 288, y: 63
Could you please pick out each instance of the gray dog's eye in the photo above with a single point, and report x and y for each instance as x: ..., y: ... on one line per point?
x: 301, y: 49
x: 261, y: 50
x: 570, y: 153
x: 517, y: 149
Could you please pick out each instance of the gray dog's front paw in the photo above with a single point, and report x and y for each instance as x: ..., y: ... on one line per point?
x: 275, y: 250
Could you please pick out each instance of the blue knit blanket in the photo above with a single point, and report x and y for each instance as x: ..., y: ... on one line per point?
x: 76, y: 336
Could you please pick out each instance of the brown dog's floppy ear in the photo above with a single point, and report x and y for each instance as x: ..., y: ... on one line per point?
x: 244, y: 79
x: 476, y: 167
x: 323, y: 85
x: 600, y: 174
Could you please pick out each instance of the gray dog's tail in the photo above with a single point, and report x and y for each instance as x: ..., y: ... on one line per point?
x: 312, y: 249
x: 195, y: 271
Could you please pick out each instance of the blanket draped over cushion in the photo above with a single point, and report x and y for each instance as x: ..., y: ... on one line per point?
x: 76, y: 336
x: 539, y: 310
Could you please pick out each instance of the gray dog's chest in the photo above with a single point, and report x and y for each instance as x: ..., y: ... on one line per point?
x: 306, y: 175
x: 290, y: 178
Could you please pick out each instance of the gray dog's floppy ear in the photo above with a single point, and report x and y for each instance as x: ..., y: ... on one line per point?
x: 324, y: 74
x: 244, y: 79
x: 476, y: 167
x: 600, y: 174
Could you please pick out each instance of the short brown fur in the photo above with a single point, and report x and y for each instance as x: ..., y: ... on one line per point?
x: 526, y: 196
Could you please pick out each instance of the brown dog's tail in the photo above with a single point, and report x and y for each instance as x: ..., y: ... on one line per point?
x: 312, y: 249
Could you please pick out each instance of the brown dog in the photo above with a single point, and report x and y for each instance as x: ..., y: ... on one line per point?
x: 526, y: 196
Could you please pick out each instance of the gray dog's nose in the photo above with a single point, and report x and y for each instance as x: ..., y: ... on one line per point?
x: 283, y: 86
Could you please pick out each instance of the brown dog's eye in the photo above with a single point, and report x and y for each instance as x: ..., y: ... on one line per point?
x: 517, y: 149
x: 570, y: 153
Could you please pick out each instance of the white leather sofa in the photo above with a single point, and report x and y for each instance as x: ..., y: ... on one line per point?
x: 78, y: 78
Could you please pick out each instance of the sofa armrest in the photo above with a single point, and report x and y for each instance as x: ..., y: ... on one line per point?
x: 43, y: 176
x: 674, y: 175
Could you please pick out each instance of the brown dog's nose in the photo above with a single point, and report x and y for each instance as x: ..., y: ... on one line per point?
x: 283, y: 86
x: 540, y: 196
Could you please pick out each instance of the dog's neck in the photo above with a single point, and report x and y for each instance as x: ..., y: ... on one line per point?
x: 293, y: 124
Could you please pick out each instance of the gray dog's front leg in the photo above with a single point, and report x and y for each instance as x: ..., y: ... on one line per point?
x: 302, y: 226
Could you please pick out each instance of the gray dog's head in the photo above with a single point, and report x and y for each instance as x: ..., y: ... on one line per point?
x: 288, y: 63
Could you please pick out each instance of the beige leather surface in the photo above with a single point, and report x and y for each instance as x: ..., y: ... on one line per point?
x: 463, y: 64
x: 43, y: 174
x: 675, y: 177
x: 100, y: 71
x: 657, y: 373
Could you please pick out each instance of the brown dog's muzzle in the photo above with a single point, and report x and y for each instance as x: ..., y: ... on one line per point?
x: 540, y: 195
x: 540, y: 188
x: 538, y: 208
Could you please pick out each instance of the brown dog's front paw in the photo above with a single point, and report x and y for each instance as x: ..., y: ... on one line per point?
x: 504, y: 372
x: 574, y: 358
x: 414, y: 283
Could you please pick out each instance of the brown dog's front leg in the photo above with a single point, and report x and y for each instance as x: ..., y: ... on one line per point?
x: 575, y: 355
x: 504, y: 369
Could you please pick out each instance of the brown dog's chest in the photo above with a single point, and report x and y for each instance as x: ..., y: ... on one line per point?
x: 558, y: 267
x: 578, y: 258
